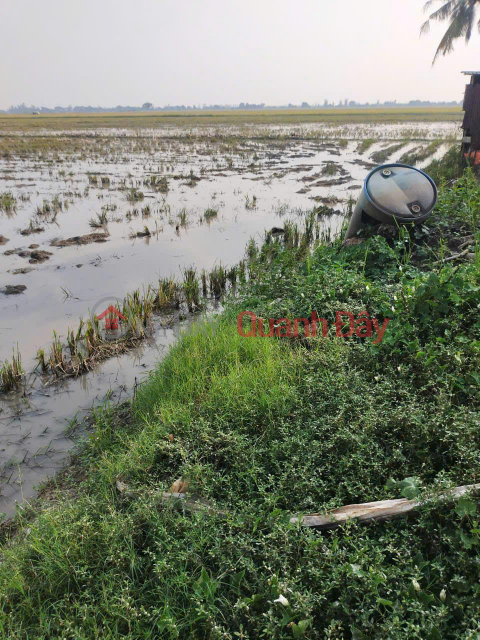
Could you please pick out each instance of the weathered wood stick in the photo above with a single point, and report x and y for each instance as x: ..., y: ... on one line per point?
x: 376, y: 511
x: 365, y: 513
x: 190, y: 503
x: 467, y: 241
x: 456, y: 256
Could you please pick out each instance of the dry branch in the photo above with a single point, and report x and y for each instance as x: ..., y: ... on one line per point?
x: 364, y: 513
x: 468, y: 242
x: 175, y: 498
x: 455, y: 256
x: 376, y: 511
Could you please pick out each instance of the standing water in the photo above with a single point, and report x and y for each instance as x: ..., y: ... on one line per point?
x: 91, y: 216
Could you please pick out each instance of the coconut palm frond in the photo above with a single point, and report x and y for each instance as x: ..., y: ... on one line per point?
x: 461, y: 14
x: 461, y: 25
x: 441, y: 14
x: 446, y: 10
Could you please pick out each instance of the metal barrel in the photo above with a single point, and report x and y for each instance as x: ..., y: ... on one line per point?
x: 394, y: 194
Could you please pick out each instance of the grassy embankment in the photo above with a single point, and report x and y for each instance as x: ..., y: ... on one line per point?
x: 142, y: 119
x: 263, y: 428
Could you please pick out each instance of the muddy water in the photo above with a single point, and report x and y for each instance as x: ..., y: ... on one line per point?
x: 252, y: 185
x: 315, y: 130
x: 39, y: 430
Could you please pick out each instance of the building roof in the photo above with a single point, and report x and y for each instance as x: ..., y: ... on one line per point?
x: 471, y: 73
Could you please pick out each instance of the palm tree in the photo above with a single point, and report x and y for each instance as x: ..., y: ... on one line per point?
x: 462, y: 16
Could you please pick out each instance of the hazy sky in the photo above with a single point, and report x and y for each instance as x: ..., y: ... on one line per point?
x: 109, y: 52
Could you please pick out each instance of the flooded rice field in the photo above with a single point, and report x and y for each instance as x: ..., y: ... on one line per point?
x: 88, y: 216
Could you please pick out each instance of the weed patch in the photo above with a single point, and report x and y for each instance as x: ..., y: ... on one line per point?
x: 263, y: 429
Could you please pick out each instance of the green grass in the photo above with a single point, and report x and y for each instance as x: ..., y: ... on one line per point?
x: 365, y: 145
x: 8, y: 202
x: 210, y: 213
x: 330, y: 169
x: 266, y: 116
x: 420, y: 153
x: 381, y: 156
x: 265, y: 428
x: 11, y: 372
x: 447, y: 168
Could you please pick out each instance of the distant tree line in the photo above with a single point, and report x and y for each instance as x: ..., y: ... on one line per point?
x: 148, y: 106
